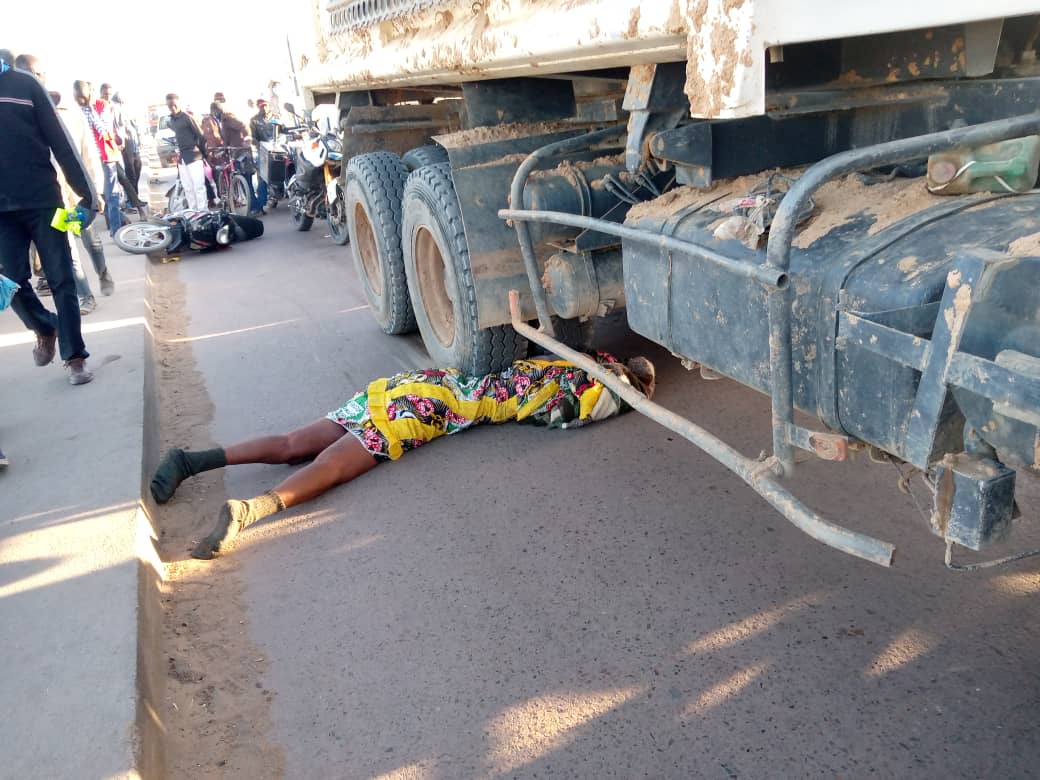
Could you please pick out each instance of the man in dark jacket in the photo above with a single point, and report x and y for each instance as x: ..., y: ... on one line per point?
x: 192, y: 147
x: 261, y: 129
x: 29, y: 196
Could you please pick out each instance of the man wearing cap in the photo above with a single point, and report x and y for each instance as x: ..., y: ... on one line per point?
x: 261, y: 129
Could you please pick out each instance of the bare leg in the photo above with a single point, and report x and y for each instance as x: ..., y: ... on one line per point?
x: 340, y: 462
x: 293, y: 447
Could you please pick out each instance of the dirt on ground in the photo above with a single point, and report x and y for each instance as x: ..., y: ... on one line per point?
x: 215, y: 708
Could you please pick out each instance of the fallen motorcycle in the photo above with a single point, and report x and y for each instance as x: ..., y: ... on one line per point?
x: 198, y: 230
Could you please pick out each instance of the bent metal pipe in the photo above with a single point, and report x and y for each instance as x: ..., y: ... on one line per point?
x: 759, y: 475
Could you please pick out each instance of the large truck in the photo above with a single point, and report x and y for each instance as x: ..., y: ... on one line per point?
x: 831, y: 203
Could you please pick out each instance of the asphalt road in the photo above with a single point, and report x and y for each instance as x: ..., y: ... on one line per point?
x: 607, y: 602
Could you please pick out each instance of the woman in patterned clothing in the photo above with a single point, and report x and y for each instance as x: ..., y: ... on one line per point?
x: 393, y: 416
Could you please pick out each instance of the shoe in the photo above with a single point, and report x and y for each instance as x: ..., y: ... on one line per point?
x: 144, y: 212
x: 3, y: 460
x: 42, y: 288
x: 87, y: 305
x: 257, y: 213
x: 43, y: 352
x: 79, y: 374
x: 108, y: 285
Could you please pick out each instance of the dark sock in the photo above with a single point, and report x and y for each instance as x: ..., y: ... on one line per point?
x: 177, y: 465
x: 236, y: 516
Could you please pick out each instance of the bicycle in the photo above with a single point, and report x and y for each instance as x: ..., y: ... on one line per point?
x: 233, y: 188
x: 177, y: 199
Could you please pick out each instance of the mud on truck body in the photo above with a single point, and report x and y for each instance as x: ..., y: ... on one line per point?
x: 520, y: 169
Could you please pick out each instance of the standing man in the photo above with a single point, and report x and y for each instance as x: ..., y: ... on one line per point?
x: 29, y: 195
x: 192, y: 147
x: 112, y: 112
x: 109, y: 151
x: 210, y: 127
x: 83, y: 141
x: 131, y: 143
x: 261, y: 129
x: 235, y: 135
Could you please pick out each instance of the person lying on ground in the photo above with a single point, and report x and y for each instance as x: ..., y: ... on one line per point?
x: 395, y: 415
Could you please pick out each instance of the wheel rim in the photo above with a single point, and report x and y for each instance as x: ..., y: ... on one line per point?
x: 143, y: 236
x: 337, y: 218
x: 367, y: 250
x: 433, y: 286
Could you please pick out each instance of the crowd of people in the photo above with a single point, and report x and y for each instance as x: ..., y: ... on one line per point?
x: 83, y: 156
x: 57, y: 155
x: 217, y: 140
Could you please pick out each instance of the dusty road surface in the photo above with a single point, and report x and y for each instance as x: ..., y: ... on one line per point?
x: 517, y: 602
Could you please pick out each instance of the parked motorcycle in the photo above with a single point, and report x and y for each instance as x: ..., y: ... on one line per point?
x: 315, y: 190
x: 188, y: 229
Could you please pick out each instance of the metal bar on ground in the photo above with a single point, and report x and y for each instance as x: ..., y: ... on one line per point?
x: 759, y: 475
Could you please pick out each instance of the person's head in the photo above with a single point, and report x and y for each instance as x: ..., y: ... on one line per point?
x: 216, y: 109
x: 117, y: 98
x: 173, y: 102
x: 251, y: 103
x: 645, y: 374
x: 55, y: 97
x: 105, y: 91
x: 638, y: 372
x: 29, y: 64
x: 261, y: 106
x: 218, y: 97
x: 81, y: 90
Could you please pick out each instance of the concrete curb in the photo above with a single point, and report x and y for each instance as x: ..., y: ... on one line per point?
x: 79, y: 575
x: 150, y: 756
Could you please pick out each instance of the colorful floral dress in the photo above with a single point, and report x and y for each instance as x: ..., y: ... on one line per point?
x: 407, y: 410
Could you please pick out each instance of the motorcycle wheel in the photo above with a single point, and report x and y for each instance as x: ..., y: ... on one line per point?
x: 338, y: 221
x: 142, y: 238
x: 299, y: 219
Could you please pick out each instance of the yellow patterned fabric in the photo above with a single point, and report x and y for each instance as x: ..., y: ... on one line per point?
x: 409, y: 409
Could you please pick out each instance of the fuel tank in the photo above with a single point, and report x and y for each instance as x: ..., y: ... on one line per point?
x: 886, y: 253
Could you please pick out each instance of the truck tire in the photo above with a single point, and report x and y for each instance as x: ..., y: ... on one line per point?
x: 440, y: 279
x: 372, y: 199
x: 424, y: 155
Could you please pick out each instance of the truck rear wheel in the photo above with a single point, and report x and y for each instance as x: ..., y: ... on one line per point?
x: 372, y: 200
x: 440, y: 279
x: 424, y: 155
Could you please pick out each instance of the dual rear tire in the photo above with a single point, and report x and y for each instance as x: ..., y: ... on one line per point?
x: 440, y: 279
x: 373, y: 188
x: 413, y: 260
